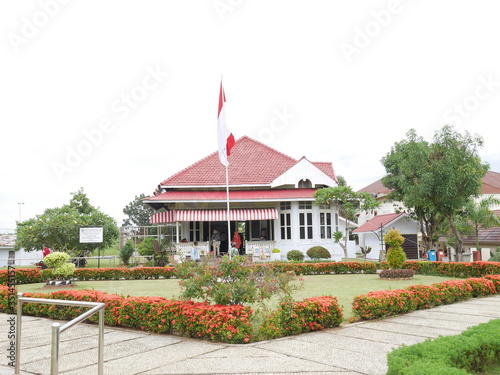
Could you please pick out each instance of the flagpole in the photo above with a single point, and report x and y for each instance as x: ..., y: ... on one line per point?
x: 228, y: 213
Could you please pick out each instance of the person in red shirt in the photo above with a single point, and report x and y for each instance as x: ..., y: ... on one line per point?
x: 46, y: 251
x: 237, y: 240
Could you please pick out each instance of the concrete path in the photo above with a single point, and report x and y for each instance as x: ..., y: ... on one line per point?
x: 359, y: 348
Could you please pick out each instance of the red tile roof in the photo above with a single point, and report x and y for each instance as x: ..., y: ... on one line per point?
x: 491, y: 185
x: 378, y: 221
x: 234, y: 195
x: 250, y: 163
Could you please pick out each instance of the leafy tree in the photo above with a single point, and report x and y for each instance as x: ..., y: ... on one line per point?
x: 138, y: 214
x: 478, y: 216
x: 126, y: 252
x: 435, y: 180
x: 395, y: 255
x: 59, y: 228
x: 349, y: 203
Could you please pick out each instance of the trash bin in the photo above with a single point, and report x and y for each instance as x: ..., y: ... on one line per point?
x: 476, y: 256
x: 431, y: 255
x: 440, y: 255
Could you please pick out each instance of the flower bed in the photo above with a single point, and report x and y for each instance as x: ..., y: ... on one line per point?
x: 381, y: 304
x: 230, y: 324
x: 33, y: 275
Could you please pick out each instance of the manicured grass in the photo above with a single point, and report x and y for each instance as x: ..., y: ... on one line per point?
x: 344, y: 287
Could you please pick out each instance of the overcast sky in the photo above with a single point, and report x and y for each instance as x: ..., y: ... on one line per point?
x: 116, y: 96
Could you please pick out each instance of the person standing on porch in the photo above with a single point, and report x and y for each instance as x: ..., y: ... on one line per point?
x: 234, y: 250
x: 237, y: 240
x: 215, y: 242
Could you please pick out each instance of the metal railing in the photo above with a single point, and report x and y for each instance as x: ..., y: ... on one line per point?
x: 57, y: 329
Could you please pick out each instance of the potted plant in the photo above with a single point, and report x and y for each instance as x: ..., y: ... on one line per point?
x: 61, y: 269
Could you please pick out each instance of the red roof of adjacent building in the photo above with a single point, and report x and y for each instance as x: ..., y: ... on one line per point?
x: 377, y: 222
x: 491, y: 185
x: 250, y: 163
x: 234, y: 195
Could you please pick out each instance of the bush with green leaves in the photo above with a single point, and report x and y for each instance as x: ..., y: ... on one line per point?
x: 146, y: 246
x: 126, y: 252
x: 495, y: 257
x: 318, y: 252
x: 395, y: 255
x: 295, y: 255
x: 59, y: 262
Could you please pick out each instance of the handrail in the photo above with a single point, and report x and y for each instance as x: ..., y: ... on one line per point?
x: 57, y: 329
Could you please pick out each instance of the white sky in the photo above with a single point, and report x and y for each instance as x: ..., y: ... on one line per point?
x: 336, y: 81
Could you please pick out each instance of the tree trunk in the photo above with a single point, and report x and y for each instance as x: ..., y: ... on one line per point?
x: 460, y: 241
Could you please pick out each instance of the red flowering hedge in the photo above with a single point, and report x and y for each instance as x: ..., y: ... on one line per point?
x: 381, y: 304
x: 230, y: 324
x: 451, y: 269
x: 311, y: 314
x: 34, y: 275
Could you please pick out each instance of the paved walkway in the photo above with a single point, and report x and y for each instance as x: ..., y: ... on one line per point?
x: 359, y: 348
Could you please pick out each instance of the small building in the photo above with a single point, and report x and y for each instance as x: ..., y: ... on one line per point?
x: 270, y: 199
x: 10, y: 257
x: 373, y: 232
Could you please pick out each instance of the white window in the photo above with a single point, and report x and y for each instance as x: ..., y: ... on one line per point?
x: 305, y: 220
x: 285, y: 221
x: 194, y: 231
x: 325, y: 224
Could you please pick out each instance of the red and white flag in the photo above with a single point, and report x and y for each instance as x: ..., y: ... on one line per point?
x: 225, y: 138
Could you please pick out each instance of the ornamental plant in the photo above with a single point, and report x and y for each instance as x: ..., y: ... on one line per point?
x: 395, y: 255
x: 318, y: 252
x: 58, y: 261
x: 295, y: 255
x: 126, y: 252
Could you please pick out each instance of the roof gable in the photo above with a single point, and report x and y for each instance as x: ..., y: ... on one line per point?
x: 250, y: 163
x: 303, y: 170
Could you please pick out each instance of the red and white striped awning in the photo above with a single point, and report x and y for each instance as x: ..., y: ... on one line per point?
x: 214, y: 215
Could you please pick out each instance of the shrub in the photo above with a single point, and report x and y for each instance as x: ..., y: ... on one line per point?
x: 56, y: 259
x: 146, y: 246
x: 295, y: 255
x: 276, y: 251
x: 318, y: 252
x: 397, y: 274
x: 126, y: 252
x: 469, y: 352
x: 393, y: 237
x: 396, y: 257
x: 495, y: 257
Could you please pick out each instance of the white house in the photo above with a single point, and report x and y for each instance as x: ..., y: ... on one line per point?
x: 270, y: 197
x: 8, y: 256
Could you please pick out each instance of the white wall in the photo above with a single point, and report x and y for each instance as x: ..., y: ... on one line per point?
x: 22, y: 258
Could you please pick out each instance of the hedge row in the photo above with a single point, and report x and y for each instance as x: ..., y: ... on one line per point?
x: 470, y: 352
x: 451, y: 269
x: 381, y: 304
x: 229, y: 324
x: 33, y: 275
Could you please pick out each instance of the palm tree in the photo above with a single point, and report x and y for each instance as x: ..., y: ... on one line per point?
x: 478, y: 216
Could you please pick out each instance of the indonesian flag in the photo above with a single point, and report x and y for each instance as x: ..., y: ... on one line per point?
x: 225, y: 139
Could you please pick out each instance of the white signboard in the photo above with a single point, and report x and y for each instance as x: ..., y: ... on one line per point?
x: 91, y: 234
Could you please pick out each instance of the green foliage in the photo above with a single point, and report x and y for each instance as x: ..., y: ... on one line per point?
x: 496, y: 257
x: 397, y: 274
x: 295, y: 255
x: 59, y: 228
x: 56, y: 259
x: 435, y: 180
x: 393, y: 237
x: 65, y: 271
x: 395, y: 257
x: 146, y: 247
x: 470, y: 352
x: 318, y: 252
x: 126, y: 252
x: 138, y: 214
x: 276, y: 251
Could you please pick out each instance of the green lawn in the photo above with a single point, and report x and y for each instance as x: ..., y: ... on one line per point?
x: 344, y: 287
